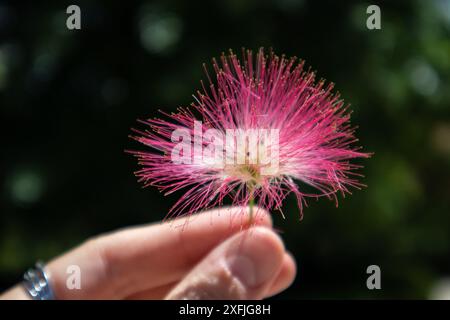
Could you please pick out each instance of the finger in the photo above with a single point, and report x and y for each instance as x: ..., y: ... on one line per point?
x: 285, y: 276
x: 15, y: 293
x: 243, y: 267
x: 119, y: 264
x: 283, y: 280
x: 154, y: 293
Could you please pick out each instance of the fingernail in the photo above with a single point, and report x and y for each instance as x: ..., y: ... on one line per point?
x: 255, y: 257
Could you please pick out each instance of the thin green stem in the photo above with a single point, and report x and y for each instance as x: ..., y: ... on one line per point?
x: 251, y: 204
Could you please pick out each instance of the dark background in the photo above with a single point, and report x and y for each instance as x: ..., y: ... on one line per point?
x: 69, y: 98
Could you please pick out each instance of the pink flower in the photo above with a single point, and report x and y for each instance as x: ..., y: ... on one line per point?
x: 311, y: 142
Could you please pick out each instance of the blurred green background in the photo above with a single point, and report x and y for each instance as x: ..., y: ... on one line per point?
x: 69, y: 98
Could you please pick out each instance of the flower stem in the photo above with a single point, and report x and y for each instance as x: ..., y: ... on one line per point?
x: 251, y: 204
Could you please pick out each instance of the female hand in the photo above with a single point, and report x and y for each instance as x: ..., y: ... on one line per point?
x: 212, y: 255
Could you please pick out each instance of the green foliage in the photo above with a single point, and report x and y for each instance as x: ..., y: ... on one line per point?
x: 69, y: 98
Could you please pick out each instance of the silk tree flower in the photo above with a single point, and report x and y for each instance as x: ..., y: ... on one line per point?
x: 287, y: 122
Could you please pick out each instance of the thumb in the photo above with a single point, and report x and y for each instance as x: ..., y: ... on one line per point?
x: 243, y: 267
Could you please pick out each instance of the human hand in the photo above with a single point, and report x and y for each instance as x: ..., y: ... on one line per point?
x: 215, y: 256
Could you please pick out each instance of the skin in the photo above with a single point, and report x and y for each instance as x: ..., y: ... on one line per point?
x: 217, y: 254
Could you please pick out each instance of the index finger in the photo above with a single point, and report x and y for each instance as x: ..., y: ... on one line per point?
x: 140, y: 258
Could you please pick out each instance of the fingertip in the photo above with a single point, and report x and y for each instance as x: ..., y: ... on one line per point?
x: 260, y: 216
x: 285, y: 277
x: 291, y: 264
x: 240, y: 216
x: 266, y: 238
x: 261, y: 248
x: 242, y: 267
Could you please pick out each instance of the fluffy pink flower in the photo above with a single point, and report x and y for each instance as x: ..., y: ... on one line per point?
x: 314, y: 142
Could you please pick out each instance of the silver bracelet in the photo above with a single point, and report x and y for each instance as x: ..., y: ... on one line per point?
x: 37, y: 283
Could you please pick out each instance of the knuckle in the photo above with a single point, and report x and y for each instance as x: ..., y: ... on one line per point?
x: 98, y: 248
